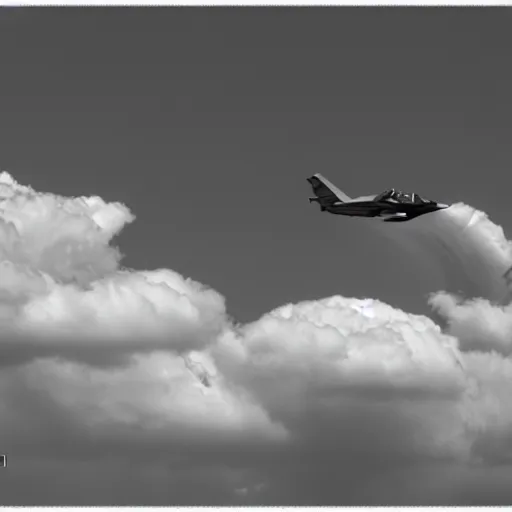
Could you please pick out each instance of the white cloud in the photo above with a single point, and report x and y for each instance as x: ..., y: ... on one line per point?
x: 68, y: 239
x: 113, y: 379
x: 477, y: 323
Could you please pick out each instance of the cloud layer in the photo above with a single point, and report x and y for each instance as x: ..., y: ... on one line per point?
x: 126, y: 387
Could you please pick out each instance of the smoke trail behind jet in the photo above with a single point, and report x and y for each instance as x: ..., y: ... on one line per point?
x: 458, y: 250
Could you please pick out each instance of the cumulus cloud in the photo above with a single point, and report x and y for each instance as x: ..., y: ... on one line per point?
x: 62, y: 292
x: 134, y: 387
x: 67, y: 239
x: 477, y: 323
x: 121, y: 314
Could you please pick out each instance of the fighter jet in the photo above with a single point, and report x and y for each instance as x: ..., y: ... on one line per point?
x: 393, y: 205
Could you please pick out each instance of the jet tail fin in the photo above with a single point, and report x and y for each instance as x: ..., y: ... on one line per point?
x: 325, y: 191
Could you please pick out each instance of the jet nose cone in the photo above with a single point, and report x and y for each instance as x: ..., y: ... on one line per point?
x: 442, y: 206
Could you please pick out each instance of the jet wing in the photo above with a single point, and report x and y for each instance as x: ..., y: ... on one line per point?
x: 326, y: 192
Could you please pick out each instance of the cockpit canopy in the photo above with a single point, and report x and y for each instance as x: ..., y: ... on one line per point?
x: 401, y: 197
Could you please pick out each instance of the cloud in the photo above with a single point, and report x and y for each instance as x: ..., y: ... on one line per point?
x: 121, y: 314
x: 67, y: 239
x: 478, y: 324
x: 62, y: 292
x: 120, y: 386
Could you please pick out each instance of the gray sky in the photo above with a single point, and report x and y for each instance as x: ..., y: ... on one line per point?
x: 205, y: 123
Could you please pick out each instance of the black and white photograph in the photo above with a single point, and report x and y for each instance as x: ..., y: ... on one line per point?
x: 255, y: 256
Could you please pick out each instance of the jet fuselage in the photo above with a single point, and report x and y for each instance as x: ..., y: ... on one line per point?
x: 377, y: 209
